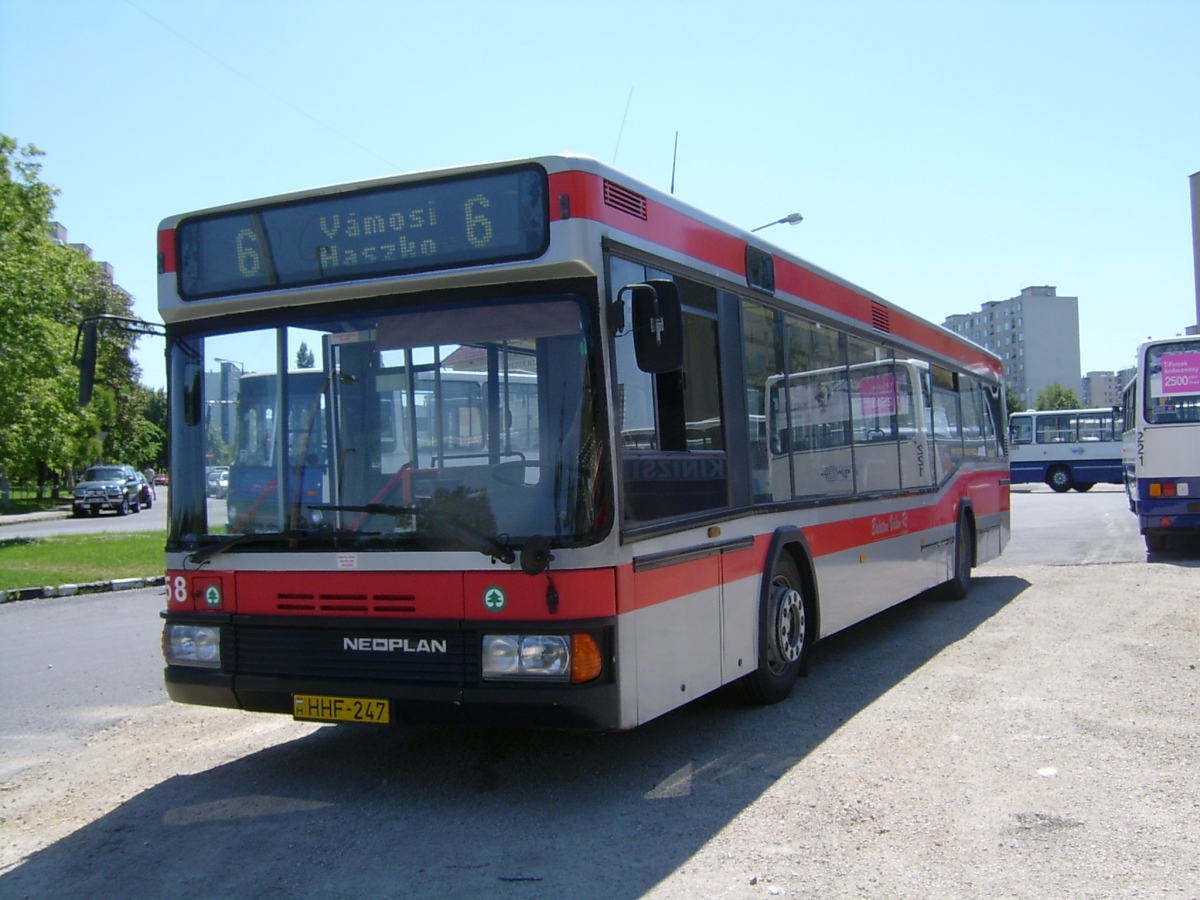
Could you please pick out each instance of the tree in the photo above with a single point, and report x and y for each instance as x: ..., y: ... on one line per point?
x: 46, y: 288
x: 1012, y: 401
x: 1055, y: 396
x: 304, y: 357
x: 156, y: 414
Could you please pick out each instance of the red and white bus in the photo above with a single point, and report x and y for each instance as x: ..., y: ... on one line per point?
x: 558, y: 450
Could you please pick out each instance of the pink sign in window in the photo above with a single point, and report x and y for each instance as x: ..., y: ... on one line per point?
x: 877, y: 395
x: 1180, y: 373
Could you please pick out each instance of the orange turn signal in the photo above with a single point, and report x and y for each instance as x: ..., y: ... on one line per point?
x: 586, y: 663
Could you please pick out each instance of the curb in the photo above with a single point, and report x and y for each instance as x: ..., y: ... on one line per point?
x: 91, y: 587
x: 47, y: 515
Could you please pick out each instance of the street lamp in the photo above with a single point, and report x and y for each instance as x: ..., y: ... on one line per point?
x: 228, y: 391
x: 791, y: 219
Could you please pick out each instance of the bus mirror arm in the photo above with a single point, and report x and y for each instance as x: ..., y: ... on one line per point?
x: 535, y: 559
x: 86, y: 338
x: 616, y: 314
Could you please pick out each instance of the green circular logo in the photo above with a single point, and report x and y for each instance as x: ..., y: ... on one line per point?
x: 494, y: 598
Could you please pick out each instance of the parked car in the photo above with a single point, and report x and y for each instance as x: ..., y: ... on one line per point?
x: 217, y: 481
x: 145, y: 491
x: 160, y: 477
x: 114, y: 487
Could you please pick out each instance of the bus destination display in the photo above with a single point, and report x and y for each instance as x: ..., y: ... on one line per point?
x: 487, y: 218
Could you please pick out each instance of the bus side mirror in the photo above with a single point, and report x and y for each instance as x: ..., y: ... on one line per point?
x: 657, y: 326
x: 86, y: 340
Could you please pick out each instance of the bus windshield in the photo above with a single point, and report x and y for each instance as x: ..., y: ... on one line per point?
x: 427, y: 428
x: 1172, y: 383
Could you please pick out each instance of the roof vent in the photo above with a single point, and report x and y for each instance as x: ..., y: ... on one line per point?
x: 625, y: 200
x: 881, y: 318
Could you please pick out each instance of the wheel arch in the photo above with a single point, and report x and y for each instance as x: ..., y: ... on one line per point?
x: 967, y: 508
x: 790, y: 540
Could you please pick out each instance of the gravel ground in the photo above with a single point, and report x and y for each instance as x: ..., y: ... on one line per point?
x: 1039, y: 739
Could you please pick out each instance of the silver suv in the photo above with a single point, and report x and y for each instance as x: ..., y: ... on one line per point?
x: 114, y: 487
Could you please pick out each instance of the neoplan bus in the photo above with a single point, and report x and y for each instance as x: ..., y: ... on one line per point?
x: 557, y: 426
x: 1162, y: 440
x: 1066, y: 448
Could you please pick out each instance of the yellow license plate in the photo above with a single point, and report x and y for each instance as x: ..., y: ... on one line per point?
x: 313, y: 708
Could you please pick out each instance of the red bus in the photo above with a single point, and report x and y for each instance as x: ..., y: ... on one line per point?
x: 548, y: 447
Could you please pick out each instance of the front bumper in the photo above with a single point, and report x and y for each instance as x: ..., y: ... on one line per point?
x: 264, y: 662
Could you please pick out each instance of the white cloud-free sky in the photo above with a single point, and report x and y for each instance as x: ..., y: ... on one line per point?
x: 942, y: 153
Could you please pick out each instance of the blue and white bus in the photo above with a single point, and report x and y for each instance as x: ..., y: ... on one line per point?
x: 1162, y: 439
x: 1066, y: 448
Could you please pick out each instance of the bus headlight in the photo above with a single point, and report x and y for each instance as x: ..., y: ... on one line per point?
x: 546, y: 657
x: 192, y: 645
x: 543, y: 657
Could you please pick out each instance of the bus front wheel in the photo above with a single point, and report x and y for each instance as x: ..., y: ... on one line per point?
x: 784, y: 636
x: 1059, y: 478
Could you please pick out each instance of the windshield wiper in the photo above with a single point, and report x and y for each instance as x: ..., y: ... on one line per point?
x: 204, y: 554
x: 493, y: 547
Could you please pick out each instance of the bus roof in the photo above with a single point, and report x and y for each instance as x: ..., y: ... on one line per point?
x: 581, y: 187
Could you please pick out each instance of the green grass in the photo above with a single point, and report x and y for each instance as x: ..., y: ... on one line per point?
x: 78, y: 559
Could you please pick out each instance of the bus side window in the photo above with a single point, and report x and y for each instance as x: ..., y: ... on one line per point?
x: 671, y: 423
x: 1020, y: 430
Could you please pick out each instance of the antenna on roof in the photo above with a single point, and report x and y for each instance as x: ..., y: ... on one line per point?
x: 622, y: 128
x: 674, y: 157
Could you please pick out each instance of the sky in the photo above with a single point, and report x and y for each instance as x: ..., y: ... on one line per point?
x: 942, y: 154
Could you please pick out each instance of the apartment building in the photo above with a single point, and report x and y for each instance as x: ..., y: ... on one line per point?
x: 1036, y: 333
x: 1101, y: 389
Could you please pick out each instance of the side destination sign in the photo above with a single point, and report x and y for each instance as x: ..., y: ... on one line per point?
x: 420, y: 226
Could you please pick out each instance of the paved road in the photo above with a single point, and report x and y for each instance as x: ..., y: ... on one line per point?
x: 70, y: 666
x: 1081, y: 529
x: 1035, y: 740
x: 40, y: 525
x: 1073, y: 528
x: 74, y: 665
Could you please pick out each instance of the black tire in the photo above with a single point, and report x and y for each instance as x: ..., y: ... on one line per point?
x: 1059, y: 478
x: 94, y: 511
x: 123, y: 507
x: 149, y: 503
x: 783, y: 638
x: 964, y: 557
x: 1084, y: 486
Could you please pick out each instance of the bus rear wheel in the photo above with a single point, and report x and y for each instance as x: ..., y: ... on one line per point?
x: 1059, y: 478
x: 784, y: 636
x: 964, y: 557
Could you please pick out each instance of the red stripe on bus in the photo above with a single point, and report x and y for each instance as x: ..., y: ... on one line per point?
x: 502, y: 595
x: 581, y: 594
x: 166, y: 251
x: 748, y: 563
x: 662, y: 225
x: 637, y: 590
x: 584, y: 193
